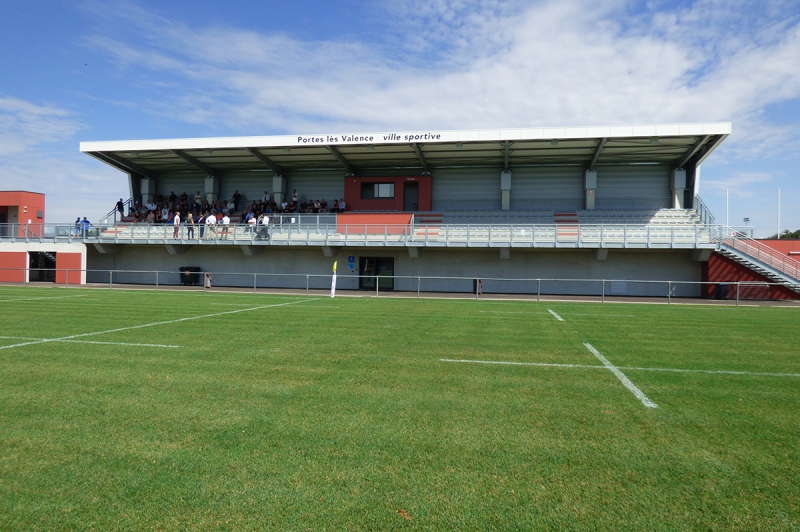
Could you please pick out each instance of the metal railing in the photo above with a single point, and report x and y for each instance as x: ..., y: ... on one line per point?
x: 287, y: 233
x: 111, y: 216
x: 703, y: 211
x: 735, y: 239
x: 420, y: 286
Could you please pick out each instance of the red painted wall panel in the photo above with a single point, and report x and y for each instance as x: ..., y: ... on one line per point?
x: 71, y: 262
x: 372, y: 223
x: 12, y: 266
x: 787, y: 247
x: 721, y: 269
x: 352, y: 193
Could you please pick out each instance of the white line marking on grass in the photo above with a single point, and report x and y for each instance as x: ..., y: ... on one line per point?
x: 559, y: 318
x: 92, y: 342
x: 15, y: 298
x: 142, y: 326
x: 714, y: 372
x: 622, y: 378
x: 588, y: 366
x: 503, y: 312
x: 604, y: 315
x: 538, y: 364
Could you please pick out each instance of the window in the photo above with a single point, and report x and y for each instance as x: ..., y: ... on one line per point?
x: 377, y: 190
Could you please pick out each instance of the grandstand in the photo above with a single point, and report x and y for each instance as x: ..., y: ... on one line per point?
x: 585, y: 203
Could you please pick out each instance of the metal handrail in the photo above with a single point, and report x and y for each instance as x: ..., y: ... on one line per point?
x: 703, y: 211
x: 286, y: 232
x: 113, y: 212
x: 761, y: 252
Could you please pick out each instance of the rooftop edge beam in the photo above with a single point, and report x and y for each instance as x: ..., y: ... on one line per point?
x: 339, y: 157
x: 691, y: 151
x: 264, y: 159
x: 194, y: 162
x: 121, y: 164
x: 597, y: 152
x: 421, y: 157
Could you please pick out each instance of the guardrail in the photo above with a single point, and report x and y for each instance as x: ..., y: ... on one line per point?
x: 419, y: 286
x: 739, y: 241
x: 286, y: 233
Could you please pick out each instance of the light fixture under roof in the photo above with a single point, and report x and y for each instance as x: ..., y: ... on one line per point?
x: 208, y: 152
x: 459, y: 145
x: 554, y: 142
x: 134, y: 154
x: 287, y: 150
x: 653, y: 140
x: 370, y: 148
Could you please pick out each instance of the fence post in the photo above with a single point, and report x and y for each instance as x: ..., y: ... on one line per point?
x: 419, y: 281
x: 66, y: 278
x: 669, y: 292
x: 738, y: 288
x: 306, y: 284
x: 255, y: 282
x: 376, y: 286
x: 603, y: 291
x: 156, y: 279
x: 539, y: 290
x: 110, y: 279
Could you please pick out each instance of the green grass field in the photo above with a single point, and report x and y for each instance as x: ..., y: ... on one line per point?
x: 296, y: 413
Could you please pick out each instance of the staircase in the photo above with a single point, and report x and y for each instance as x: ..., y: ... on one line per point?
x: 763, y: 260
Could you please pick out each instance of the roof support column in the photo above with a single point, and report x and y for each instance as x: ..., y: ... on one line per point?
x: 590, y: 188
x: 148, y: 190
x: 212, y: 188
x: 278, y: 188
x: 505, y: 190
x: 678, y: 186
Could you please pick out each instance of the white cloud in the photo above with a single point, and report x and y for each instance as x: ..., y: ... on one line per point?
x: 32, y: 157
x: 25, y: 125
x: 490, y: 64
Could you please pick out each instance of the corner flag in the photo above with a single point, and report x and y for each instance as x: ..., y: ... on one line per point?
x: 333, y: 280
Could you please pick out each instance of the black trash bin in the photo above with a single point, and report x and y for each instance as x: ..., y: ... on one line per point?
x: 190, y: 275
x: 722, y: 291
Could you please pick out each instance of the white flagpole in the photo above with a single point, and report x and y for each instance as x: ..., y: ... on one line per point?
x: 727, y: 223
x: 779, y: 213
x: 333, y: 280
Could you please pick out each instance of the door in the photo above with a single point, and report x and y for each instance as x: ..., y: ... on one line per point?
x: 3, y: 222
x: 411, y: 196
x: 381, y: 268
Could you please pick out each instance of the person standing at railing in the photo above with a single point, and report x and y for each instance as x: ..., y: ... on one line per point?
x: 78, y: 227
x: 121, y: 209
x: 226, y: 221
x: 85, y: 225
x: 189, y: 226
x: 211, y: 224
x: 176, y: 222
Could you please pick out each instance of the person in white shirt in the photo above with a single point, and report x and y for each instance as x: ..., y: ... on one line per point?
x: 211, y: 223
x: 265, y: 198
x: 177, y: 223
x: 225, y: 223
x: 341, y: 205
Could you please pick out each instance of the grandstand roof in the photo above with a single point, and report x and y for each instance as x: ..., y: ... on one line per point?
x: 418, y: 151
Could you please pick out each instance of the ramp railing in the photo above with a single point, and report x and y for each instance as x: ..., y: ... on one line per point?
x: 739, y: 241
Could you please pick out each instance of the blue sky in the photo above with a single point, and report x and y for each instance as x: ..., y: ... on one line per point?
x: 108, y: 70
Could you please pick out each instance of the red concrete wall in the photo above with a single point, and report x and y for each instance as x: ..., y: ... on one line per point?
x: 29, y: 205
x: 373, y: 223
x: 721, y: 269
x: 12, y: 266
x: 71, y: 262
x: 352, y: 193
x: 787, y: 247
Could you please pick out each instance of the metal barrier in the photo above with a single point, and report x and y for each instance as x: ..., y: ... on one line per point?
x: 599, y: 290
